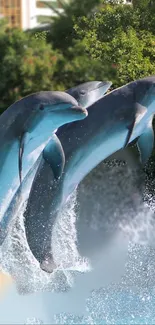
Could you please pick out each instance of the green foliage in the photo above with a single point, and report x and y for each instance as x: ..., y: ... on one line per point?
x: 78, y: 69
x: 89, y: 40
x: 62, y: 33
x: 26, y: 65
x: 113, y: 37
x: 142, y: 4
x: 3, y: 25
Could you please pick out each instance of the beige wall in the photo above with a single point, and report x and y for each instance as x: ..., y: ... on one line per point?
x: 12, y: 10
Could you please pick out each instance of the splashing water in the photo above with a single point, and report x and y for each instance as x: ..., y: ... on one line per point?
x: 104, y: 242
x: 15, y: 253
x: 33, y: 321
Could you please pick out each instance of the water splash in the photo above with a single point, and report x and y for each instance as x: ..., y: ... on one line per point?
x: 92, y: 234
x: 15, y: 253
x: 33, y: 321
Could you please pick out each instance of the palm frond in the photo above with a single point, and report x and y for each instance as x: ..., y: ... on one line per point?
x: 49, y: 5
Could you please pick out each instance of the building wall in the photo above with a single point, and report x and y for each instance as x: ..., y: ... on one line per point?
x: 27, y: 14
x: 12, y: 10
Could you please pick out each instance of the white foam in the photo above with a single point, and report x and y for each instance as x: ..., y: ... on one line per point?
x: 93, y: 252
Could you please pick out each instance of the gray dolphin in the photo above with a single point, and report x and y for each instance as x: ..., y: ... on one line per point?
x: 113, y: 122
x: 26, y: 126
x: 89, y: 92
x: 22, y: 118
x: 85, y: 94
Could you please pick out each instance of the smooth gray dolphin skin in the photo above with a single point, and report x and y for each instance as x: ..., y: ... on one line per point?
x: 89, y: 92
x: 25, y: 126
x: 85, y: 94
x: 26, y: 114
x: 113, y: 122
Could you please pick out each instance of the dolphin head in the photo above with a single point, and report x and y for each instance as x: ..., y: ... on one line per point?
x: 88, y: 93
x: 56, y: 107
x: 42, y: 113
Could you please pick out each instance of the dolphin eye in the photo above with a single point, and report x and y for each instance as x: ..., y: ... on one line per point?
x: 82, y: 92
x: 41, y: 107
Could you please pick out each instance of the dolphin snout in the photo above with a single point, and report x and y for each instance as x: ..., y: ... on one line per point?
x: 80, y: 109
x: 105, y: 83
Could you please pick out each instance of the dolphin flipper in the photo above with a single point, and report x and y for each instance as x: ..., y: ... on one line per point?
x: 140, y: 112
x: 54, y: 155
x: 22, y: 142
x: 130, y: 128
x: 145, y: 143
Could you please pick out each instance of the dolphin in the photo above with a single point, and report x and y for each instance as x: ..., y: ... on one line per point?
x: 26, y: 127
x: 89, y: 92
x: 85, y: 94
x: 113, y: 122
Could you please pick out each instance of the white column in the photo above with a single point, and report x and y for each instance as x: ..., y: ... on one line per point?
x: 29, y: 19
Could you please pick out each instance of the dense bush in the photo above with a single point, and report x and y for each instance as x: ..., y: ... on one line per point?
x: 27, y: 65
x: 114, y: 38
x: 90, y: 40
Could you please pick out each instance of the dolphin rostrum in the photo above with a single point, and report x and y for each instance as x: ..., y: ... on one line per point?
x: 26, y: 127
x: 85, y: 94
x: 113, y: 122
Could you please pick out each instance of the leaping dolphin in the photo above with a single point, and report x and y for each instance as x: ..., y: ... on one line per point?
x: 26, y: 127
x: 113, y: 122
x: 89, y: 92
x: 85, y: 94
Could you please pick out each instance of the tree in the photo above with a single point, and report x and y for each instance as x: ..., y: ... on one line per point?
x: 75, y: 65
x: 61, y: 32
x: 145, y: 10
x: 113, y: 38
x: 27, y: 64
x: 78, y: 69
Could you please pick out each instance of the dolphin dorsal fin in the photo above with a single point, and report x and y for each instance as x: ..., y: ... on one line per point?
x: 140, y: 112
x: 54, y: 155
x: 145, y: 143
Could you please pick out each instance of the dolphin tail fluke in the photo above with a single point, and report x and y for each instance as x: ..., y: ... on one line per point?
x: 48, y: 264
x: 145, y: 143
x: 54, y: 155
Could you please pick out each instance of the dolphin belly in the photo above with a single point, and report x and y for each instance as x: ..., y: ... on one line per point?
x: 88, y: 157
x: 9, y: 176
x: 35, y: 142
x: 9, y: 179
x: 17, y: 200
x: 79, y: 163
x: 83, y: 160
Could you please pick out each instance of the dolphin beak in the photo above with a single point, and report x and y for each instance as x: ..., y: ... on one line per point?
x: 80, y: 109
x: 105, y: 85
